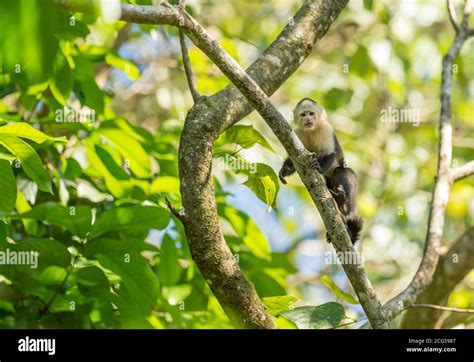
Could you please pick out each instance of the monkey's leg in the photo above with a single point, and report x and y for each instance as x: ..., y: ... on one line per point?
x: 286, y: 170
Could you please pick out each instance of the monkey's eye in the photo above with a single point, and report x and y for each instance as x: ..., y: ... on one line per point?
x: 311, y: 113
x: 302, y: 114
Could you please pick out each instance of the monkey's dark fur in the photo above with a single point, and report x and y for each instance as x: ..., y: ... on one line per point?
x: 318, y: 136
x: 344, y: 186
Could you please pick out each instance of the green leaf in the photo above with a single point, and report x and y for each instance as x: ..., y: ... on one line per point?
x: 92, y: 282
x: 7, y: 306
x: 29, y: 159
x: 165, y: 184
x: 53, y: 276
x: 337, y: 98
x: 22, y: 206
x: 61, y: 82
x: 24, y: 130
x: 283, y: 323
x: 247, y: 230
x: 131, y: 150
x: 139, y: 287
x: 267, y: 283
x: 52, y: 213
x: 8, y: 188
x: 131, y: 218
x: 71, y: 169
x: 116, y: 246
x: 340, y: 294
x: 51, y: 252
x: 246, y: 137
x: 126, y: 66
x: 81, y: 216
x: 169, y: 269
x: 368, y: 4
x: 324, y: 316
x: 177, y: 293
x: 276, y: 305
x: 361, y: 63
x: 264, y: 184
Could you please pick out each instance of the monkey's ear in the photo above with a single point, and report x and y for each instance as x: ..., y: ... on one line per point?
x: 324, y: 115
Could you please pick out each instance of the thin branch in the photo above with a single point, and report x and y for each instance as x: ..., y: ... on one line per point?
x: 460, y: 172
x: 179, y: 214
x: 452, y: 15
x: 440, y: 307
x: 468, y: 8
x: 187, y: 67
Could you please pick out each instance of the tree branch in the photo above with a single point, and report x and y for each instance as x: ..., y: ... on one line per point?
x: 452, y: 15
x: 443, y: 308
x: 452, y: 268
x: 187, y: 67
x: 460, y: 172
x: 424, y: 274
x: 186, y: 62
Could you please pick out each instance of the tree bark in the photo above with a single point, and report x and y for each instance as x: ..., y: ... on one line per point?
x: 452, y: 268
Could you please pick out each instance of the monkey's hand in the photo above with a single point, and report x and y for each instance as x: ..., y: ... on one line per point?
x: 282, y: 175
x: 314, y: 162
x: 286, y: 170
x: 339, y: 191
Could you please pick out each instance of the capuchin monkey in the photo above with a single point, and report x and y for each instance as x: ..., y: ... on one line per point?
x: 318, y: 136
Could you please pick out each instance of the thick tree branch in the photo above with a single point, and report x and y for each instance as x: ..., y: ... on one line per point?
x: 424, y: 274
x: 460, y: 172
x: 451, y: 270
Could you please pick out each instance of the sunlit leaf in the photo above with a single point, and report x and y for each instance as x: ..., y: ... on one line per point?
x: 324, y: 316
x: 131, y: 218
x: 340, y: 294
x: 7, y: 187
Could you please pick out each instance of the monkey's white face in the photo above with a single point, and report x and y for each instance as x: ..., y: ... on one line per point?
x: 308, y: 115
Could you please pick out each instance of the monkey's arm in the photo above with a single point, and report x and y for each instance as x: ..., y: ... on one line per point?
x: 286, y: 170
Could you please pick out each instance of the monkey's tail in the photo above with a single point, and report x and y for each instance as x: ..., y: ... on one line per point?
x: 354, y: 226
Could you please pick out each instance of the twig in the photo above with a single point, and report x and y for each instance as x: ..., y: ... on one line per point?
x: 460, y: 172
x: 186, y: 61
x: 187, y: 67
x: 452, y: 15
x: 174, y: 211
x: 440, y: 307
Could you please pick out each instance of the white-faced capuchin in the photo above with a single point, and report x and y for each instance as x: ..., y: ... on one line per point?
x: 318, y: 136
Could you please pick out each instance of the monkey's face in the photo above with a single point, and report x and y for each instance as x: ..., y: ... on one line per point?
x: 308, y: 115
